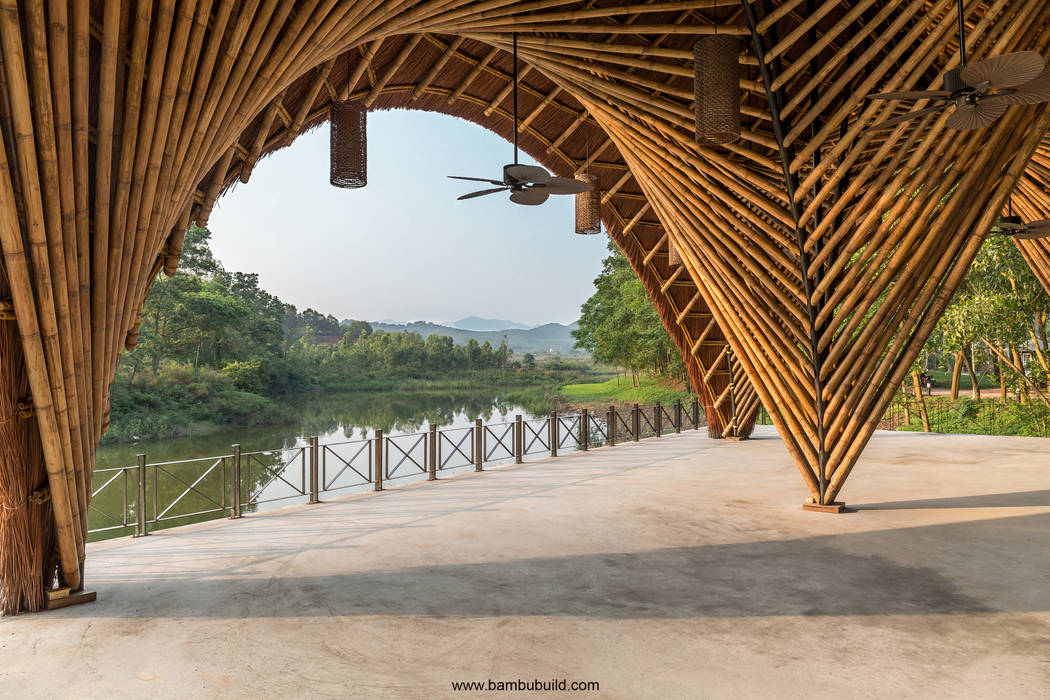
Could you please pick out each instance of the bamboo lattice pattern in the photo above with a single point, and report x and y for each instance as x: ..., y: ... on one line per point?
x: 823, y: 253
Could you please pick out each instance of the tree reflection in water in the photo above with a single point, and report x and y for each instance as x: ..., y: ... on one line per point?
x: 204, y: 484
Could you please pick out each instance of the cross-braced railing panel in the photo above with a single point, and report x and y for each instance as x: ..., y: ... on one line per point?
x: 346, y: 464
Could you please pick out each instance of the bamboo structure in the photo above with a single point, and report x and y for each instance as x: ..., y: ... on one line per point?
x: 811, y: 258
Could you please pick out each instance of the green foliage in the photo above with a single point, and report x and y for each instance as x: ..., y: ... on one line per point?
x: 999, y: 309
x: 177, y: 399
x: 619, y: 325
x: 978, y: 417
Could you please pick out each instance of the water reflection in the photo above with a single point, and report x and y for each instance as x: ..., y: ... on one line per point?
x: 349, y: 416
x: 202, y: 489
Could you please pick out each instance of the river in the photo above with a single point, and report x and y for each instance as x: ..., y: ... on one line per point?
x: 342, y: 421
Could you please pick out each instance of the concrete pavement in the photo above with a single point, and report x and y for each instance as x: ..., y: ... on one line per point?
x: 675, y: 567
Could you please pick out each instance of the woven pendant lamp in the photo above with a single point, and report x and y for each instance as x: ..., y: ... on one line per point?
x: 589, y: 207
x: 349, y: 144
x: 716, y: 88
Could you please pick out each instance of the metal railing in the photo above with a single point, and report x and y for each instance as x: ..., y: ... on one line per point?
x: 961, y: 417
x: 146, y: 496
x: 968, y: 416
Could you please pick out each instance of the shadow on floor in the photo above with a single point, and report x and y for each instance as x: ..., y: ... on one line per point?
x: 1018, y: 499
x: 832, y: 575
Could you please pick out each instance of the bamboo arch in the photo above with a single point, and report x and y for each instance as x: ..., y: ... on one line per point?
x: 824, y: 254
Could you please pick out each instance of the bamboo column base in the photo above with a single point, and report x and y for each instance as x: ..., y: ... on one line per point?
x: 65, y: 601
x: 835, y: 507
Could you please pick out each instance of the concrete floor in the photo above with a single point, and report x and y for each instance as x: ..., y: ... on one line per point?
x: 674, y: 568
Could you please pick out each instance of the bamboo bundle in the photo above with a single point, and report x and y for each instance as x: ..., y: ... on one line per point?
x: 788, y: 265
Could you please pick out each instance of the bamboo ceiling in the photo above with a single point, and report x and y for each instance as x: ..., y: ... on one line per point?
x: 824, y: 253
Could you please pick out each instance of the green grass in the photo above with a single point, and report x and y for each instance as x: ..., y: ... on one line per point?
x: 944, y: 379
x: 649, y: 390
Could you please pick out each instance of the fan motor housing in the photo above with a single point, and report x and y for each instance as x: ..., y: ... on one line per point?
x: 953, y: 82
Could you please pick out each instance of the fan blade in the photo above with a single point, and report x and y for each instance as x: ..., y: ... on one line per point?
x: 479, y: 193
x: 530, y: 197
x: 1032, y: 235
x: 526, y: 173
x: 477, y: 179
x: 1033, y: 92
x: 1009, y: 227
x: 907, y: 117
x: 916, y: 95
x: 1007, y: 71
x: 978, y: 116
x: 566, y: 185
x: 1036, y: 229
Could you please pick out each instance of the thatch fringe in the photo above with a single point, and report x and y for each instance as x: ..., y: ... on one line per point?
x: 27, y: 546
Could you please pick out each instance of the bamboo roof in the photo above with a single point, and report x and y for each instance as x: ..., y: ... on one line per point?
x: 821, y: 252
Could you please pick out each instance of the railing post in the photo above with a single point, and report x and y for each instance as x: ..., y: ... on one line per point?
x: 378, y: 440
x: 519, y: 439
x: 552, y: 434
x: 479, y: 444
x: 636, y: 423
x: 658, y: 421
x: 235, y: 483
x: 610, y: 426
x: 314, y: 459
x: 678, y: 416
x: 585, y: 430
x: 696, y: 413
x: 140, y: 498
x: 433, y: 464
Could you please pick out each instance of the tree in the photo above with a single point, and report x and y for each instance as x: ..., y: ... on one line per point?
x: 999, y: 309
x: 473, y: 353
x: 619, y: 325
x: 356, y: 329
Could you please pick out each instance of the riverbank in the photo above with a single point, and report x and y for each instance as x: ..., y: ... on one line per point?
x: 180, y: 402
x: 620, y: 391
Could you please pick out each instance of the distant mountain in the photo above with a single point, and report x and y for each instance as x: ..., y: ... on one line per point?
x: 475, y: 323
x: 541, y: 339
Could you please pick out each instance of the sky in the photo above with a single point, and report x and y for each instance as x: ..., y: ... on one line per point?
x: 403, y: 248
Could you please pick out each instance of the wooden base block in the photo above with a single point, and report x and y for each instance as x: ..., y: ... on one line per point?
x: 735, y: 438
x: 835, y: 507
x: 71, y: 599
x: 58, y: 593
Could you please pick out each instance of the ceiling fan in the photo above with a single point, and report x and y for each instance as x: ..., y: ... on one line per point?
x: 528, y: 184
x: 1015, y: 227
x: 980, y: 92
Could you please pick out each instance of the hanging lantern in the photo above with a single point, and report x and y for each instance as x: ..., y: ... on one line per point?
x: 674, y: 259
x: 589, y: 206
x: 716, y: 88
x: 349, y: 144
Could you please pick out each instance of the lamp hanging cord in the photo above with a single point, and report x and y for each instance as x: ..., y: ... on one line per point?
x: 962, y: 34
x: 515, y: 98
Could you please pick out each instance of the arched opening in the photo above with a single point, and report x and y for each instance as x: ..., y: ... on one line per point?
x: 204, y: 120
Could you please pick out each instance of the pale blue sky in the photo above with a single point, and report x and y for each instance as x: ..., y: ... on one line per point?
x: 403, y: 247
